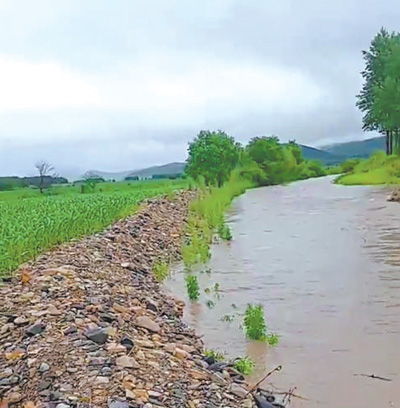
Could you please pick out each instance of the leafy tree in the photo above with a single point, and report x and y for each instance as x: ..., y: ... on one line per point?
x: 272, y: 157
x: 212, y: 156
x: 380, y: 89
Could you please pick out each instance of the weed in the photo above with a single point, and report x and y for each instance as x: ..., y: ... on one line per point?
x: 272, y: 339
x: 244, y: 365
x: 161, y: 270
x: 254, y: 323
x: 224, y: 232
x: 192, y: 286
x: 255, y: 326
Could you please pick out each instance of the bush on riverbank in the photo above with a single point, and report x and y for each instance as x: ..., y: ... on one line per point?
x: 378, y: 169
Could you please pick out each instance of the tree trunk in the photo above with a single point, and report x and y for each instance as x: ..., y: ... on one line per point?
x: 387, y: 142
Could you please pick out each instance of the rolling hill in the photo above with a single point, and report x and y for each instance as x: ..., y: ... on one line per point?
x: 327, y: 158
x: 361, y: 148
x: 165, y: 169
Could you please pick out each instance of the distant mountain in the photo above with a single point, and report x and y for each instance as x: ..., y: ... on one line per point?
x: 361, y: 148
x: 166, y: 169
x: 327, y: 158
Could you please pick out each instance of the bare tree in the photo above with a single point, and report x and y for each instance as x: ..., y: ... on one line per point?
x: 44, y: 168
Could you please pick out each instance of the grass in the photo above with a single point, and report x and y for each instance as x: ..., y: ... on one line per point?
x: 29, y: 226
x: 207, y: 216
x: 378, y: 169
x: 255, y: 326
x: 160, y: 270
x: 244, y: 365
x: 192, y: 286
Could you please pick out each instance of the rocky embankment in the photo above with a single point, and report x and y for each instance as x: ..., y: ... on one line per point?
x: 87, y: 325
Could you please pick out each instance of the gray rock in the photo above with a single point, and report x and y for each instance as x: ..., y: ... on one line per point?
x: 44, y: 367
x: 99, y: 336
x: 118, y: 404
x: 62, y: 405
x: 35, y: 329
x: 238, y: 390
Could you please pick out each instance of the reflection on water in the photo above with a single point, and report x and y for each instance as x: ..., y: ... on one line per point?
x: 324, y: 262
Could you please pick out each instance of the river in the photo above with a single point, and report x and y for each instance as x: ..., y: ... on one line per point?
x: 324, y: 261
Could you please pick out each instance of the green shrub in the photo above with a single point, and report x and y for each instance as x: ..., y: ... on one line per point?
x: 244, y: 365
x: 192, y: 286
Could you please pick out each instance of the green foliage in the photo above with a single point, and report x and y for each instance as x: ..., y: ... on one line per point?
x: 206, y: 216
x: 278, y: 163
x: 192, y: 286
x: 224, y: 232
x: 160, y: 270
x: 378, y: 169
x: 244, y: 365
x: 28, y: 226
x: 379, y: 98
x: 254, y: 323
x: 216, y: 355
x: 212, y: 155
x: 272, y: 339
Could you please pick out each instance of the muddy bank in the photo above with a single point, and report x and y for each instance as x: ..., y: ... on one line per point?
x: 87, y: 325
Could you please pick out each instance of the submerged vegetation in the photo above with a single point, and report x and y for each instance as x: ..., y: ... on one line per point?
x: 192, y: 286
x: 255, y: 326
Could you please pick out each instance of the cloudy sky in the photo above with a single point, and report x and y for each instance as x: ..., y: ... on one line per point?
x: 123, y: 84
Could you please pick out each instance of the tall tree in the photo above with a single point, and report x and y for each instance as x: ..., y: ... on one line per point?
x: 373, y: 75
x: 213, y: 156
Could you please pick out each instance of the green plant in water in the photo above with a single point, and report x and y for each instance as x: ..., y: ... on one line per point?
x: 160, y: 271
x: 210, y: 304
x: 216, y: 355
x: 255, y: 326
x: 254, y: 323
x: 244, y: 365
x: 272, y: 339
x: 228, y: 318
x: 192, y: 286
x: 225, y: 232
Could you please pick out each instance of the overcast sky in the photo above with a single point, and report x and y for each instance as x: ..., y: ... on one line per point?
x: 124, y: 84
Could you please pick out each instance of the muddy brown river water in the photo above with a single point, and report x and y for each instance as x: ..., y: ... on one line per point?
x: 324, y: 261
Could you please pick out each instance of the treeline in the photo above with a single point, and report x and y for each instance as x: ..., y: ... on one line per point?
x: 10, y: 183
x: 214, y: 155
x: 379, y: 98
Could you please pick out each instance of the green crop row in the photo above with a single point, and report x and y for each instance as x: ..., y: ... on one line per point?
x: 30, y: 226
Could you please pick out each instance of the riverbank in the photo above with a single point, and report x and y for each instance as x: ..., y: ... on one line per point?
x: 87, y: 324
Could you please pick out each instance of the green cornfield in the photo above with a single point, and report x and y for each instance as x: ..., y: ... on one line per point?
x: 32, y: 225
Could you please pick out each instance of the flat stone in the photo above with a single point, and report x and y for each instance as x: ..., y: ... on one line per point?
x: 35, y: 329
x: 62, y: 405
x: 99, y: 336
x: 118, y: 404
x: 238, y: 390
x: 147, y: 323
x: 20, y: 321
x: 126, y: 362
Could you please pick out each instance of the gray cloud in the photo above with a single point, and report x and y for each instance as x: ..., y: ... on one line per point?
x: 125, y: 84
